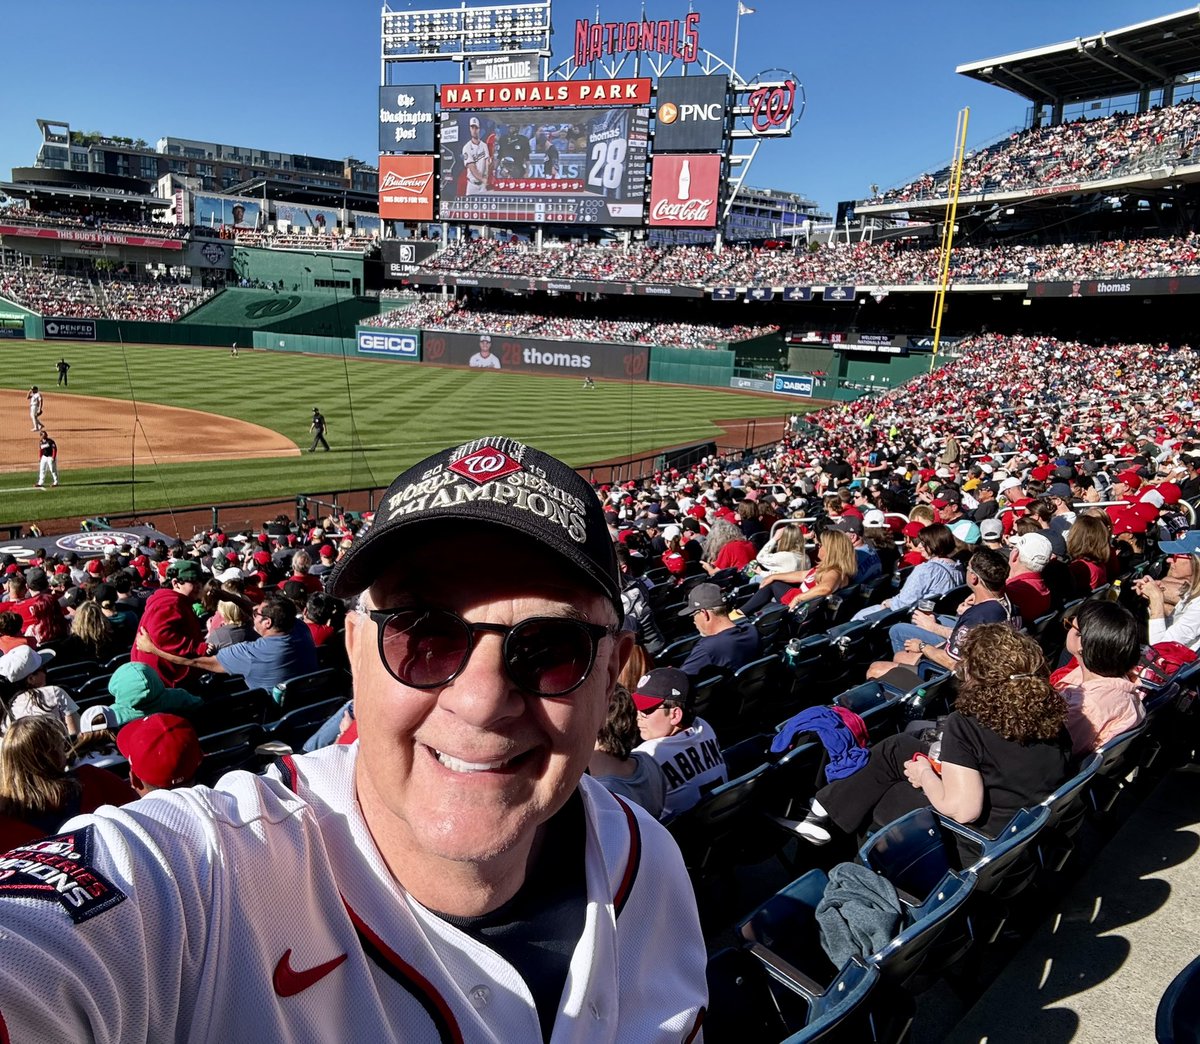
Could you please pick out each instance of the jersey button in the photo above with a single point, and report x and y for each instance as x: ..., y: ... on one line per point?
x: 481, y: 997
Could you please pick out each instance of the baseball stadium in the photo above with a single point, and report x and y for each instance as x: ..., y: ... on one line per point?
x: 902, y: 500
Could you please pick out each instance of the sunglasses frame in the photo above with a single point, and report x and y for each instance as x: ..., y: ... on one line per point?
x: 595, y: 633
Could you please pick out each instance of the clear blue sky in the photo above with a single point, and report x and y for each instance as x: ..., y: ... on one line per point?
x: 302, y: 76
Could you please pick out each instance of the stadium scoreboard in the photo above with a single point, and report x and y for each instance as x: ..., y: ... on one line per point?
x: 573, y: 166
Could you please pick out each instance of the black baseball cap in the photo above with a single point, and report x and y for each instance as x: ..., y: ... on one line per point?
x: 659, y: 686
x: 703, y: 596
x: 496, y: 481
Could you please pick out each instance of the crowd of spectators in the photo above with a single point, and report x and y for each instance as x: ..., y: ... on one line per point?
x: 19, y: 215
x: 455, y: 314
x: 309, y: 240
x: 1081, y: 150
x: 886, y: 263
x: 48, y: 291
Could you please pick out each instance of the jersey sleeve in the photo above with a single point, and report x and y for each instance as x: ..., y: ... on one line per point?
x: 103, y: 928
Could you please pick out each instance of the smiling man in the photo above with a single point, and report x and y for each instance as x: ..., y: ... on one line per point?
x: 453, y: 875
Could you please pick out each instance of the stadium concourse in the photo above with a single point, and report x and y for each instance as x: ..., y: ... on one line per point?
x: 1086, y: 459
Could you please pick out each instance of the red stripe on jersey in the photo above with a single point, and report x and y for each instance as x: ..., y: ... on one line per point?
x: 405, y: 975
x: 288, y: 773
x: 635, y: 858
x: 4, y: 1037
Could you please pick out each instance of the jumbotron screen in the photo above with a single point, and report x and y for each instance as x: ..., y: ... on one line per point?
x: 569, y: 166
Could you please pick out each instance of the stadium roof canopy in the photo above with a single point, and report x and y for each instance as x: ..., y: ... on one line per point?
x: 1150, y: 54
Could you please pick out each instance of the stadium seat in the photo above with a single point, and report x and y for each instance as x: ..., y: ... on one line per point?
x: 786, y: 926
x: 770, y: 623
x: 742, y: 1003
x: 843, y: 604
x: 72, y: 675
x: 315, y: 687
x: 758, y: 689
x: 228, y: 750
x: 1067, y: 805
x: 1177, y: 1020
x: 1118, y: 758
x: 880, y: 709
x: 295, y: 727
x: 747, y: 754
x: 227, y: 711
x: 842, y: 1013
x: 948, y: 603
x: 89, y: 688
x: 675, y: 653
x: 708, y: 834
x: 117, y: 661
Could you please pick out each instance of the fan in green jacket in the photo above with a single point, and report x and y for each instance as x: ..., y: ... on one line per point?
x: 137, y: 691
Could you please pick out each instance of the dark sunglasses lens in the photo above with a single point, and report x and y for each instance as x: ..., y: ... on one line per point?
x: 424, y: 648
x: 550, y: 657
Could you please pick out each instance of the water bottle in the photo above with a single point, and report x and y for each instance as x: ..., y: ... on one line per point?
x: 791, y: 652
x: 1114, y: 593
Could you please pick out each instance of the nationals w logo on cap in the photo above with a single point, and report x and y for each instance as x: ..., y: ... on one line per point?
x: 494, y: 481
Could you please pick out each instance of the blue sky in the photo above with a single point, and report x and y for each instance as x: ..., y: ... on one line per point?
x: 302, y: 76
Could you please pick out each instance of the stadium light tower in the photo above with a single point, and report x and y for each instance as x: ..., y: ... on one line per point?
x: 461, y: 33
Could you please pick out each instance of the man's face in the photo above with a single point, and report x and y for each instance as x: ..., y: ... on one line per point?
x: 657, y: 723
x: 474, y: 131
x: 187, y: 588
x: 1180, y: 567
x: 485, y: 347
x: 414, y: 744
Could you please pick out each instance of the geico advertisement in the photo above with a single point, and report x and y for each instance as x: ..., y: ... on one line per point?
x: 398, y: 344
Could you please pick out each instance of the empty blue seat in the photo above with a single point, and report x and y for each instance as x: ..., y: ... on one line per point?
x: 1177, y: 1020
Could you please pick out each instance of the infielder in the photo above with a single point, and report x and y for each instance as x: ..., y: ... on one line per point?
x: 47, y: 460
x: 35, y: 408
x: 451, y: 876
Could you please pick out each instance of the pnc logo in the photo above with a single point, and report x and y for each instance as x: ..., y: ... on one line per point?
x: 485, y: 465
x: 414, y: 184
x: 668, y: 113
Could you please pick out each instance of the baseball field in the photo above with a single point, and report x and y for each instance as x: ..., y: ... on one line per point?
x: 146, y: 428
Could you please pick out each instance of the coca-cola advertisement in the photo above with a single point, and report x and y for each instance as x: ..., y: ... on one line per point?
x: 685, y: 191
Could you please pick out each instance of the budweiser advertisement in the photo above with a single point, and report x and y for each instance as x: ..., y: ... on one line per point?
x: 406, y: 188
x: 684, y: 191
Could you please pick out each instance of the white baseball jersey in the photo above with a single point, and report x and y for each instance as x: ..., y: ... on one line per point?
x: 262, y: 910
x: 692, y: 763
x: 475, y: 156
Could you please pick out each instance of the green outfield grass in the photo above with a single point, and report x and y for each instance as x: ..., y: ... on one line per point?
x: 382, y: 416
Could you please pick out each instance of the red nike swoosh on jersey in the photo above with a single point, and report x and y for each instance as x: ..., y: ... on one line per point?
x: 288, y: 982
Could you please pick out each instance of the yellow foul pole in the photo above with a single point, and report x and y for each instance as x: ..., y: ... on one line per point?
x: 956, y: 165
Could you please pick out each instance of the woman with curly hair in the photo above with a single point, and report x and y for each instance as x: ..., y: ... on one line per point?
x: 726, y: 547
x: 1004, y: 747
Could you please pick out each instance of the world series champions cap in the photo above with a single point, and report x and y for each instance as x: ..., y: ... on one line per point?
x: 496, y: 481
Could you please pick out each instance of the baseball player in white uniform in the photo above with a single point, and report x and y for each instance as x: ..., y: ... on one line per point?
x: 448, y: 877
x: 35, y: 408
x: 477, y: 160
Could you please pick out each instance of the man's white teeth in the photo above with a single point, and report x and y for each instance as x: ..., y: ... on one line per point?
x: 457, y: 765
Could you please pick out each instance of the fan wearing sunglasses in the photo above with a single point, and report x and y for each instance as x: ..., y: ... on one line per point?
x: 1174, y: 600
x: 451, y: 875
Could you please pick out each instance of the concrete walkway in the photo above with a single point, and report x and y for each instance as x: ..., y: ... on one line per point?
x: 1096, y: 968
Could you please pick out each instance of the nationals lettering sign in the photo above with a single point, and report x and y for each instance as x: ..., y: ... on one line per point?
x: 685, y: 191
x: 406, y: 188
x: 678, y: 38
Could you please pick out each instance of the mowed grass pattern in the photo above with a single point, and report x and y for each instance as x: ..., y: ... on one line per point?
x: 382, y: 416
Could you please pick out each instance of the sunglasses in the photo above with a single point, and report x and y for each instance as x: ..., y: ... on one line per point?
x: 543, y: 655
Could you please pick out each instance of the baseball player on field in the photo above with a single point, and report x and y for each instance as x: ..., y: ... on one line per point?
x: 450, y: 876
x: 47, y: 460
x: 35, y: 408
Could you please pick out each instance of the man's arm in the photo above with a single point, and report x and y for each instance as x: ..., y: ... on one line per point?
x: 205, y: 663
